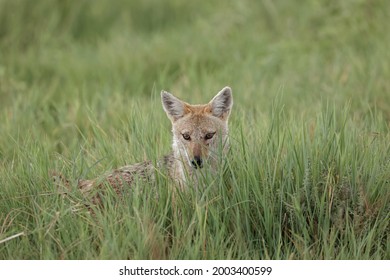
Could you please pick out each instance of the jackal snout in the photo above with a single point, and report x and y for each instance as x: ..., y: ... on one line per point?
x: 197, y: 154
x: 197, y: 162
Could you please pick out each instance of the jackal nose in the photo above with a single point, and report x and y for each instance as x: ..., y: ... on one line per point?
x: 197, y: 162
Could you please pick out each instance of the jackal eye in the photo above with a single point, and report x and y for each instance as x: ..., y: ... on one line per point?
x: 209, y: 135
x: 186, y: 136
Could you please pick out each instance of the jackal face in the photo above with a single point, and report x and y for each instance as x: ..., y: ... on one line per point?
x: 199, y: 131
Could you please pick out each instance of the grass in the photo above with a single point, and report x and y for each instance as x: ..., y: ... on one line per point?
x: 308, y: 176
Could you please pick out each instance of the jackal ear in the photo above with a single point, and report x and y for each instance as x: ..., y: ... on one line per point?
x: 222, y: 103
x: 172, y: 105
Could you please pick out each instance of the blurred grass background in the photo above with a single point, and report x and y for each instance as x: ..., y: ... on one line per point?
x: 80, y: 83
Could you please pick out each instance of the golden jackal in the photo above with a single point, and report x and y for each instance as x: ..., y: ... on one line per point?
x: 200, y: 133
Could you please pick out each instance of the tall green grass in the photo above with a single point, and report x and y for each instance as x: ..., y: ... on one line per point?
x: 308, y: 174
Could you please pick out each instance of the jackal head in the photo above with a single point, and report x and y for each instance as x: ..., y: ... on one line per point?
x: 199, y: 131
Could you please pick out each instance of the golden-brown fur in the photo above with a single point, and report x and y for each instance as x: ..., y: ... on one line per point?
x: 206, y: 127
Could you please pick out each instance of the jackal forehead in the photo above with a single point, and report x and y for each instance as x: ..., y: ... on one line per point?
x: 200, y: 109
x: 201, y: 124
